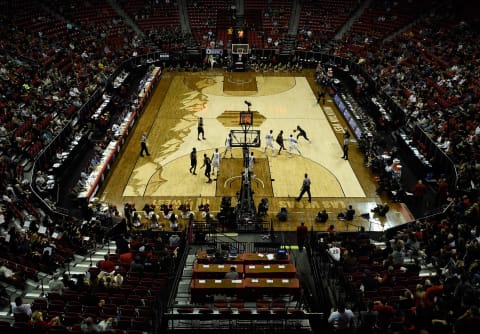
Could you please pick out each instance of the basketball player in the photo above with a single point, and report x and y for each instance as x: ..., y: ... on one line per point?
x: 212, y: 61
x: 293, y: 145
x: 193, y: 161
x: 301, y: 133
x: 269, y: 142
x: 228, y: 146
x: 279, y: 141
x: 200, y: 129
x: 208, y: 167
x: 216, y: 161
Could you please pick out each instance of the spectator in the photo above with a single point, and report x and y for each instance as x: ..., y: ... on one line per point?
x: 350, y: 260
x: 174, y: 240
x: 109, y: 281
x: 302, y: 234
x: 331, y: 232
x: 465, y: 292
x: 367, y: 320
x: 38, y: 322
x: 81, y: 283
x: 106, y: 265
x: 232, y: 274
x: 322, y: 216
x: 341, y: 320
x: 419, y: 192
x: 11, y: 277
x: 154, y: 219
x: 67, y: 281
x: 419, y: 296
x: 369, y: 283
x: 122, y: 245
x: 398, y: 256
x: 21, y: 310
x: 442, y: 193
x: 335, y: 252
x: 431, y: 293
x: 55, y: 285
x: 350, y: 213
x: 173, y: 222
x: 88, y: 325
x: 126, y: 259
x: 385, y: 316
x: 4, y: 296
x: 136, y: 220
x: 469, y: 322
x: 388, y: 278
x: 137, y: 265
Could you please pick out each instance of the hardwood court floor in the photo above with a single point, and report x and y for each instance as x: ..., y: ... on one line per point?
x: 280, y: 101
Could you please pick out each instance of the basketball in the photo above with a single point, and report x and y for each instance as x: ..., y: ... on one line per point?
x: 294, y: 130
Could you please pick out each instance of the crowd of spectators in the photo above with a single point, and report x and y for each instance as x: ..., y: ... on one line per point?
x: 134, y: 275
x: 431, y: 72
x: 426, y: 278
x: 46, y: 76
x: 318, y: 22
x: 159, y: 21
x: 55, y: 80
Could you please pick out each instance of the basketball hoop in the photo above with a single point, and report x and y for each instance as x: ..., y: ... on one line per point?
x: 240, y: 53
x: 240, y: 50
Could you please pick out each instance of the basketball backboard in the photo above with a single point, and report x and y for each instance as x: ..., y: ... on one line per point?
x: 240, y: 49
x: 242, y: 138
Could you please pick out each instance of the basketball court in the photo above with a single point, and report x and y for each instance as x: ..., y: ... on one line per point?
x: 296, y: 105
x: 279, y: 101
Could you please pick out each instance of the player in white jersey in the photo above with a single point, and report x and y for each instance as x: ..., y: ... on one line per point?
x: 293, y: 145
x: 216, y: 161
x: 269, y: 142
x: 228, y: 146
